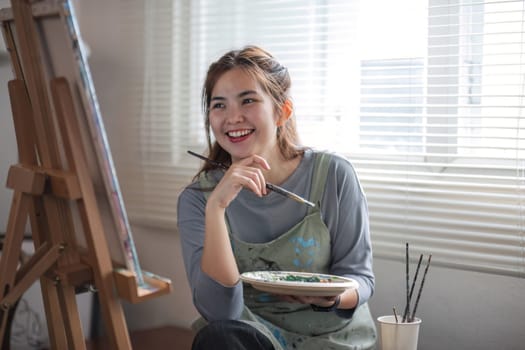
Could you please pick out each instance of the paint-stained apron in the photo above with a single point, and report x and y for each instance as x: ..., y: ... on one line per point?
x: 306, y: 248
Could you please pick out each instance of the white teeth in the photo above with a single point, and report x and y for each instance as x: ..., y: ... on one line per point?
x: 239, y: 133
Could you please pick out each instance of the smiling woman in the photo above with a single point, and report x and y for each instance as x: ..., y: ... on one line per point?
x: 229, y: 223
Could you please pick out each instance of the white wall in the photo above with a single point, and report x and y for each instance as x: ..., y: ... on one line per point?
x: 460, y: 309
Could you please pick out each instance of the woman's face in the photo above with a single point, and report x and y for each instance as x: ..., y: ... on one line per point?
x: 242, y: 116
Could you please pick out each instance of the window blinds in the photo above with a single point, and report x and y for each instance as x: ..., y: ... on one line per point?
x: 425, y: 99
x: 442, y: 153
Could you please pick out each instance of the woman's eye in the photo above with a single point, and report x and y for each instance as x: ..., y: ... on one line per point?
x: 217, y: 105
x: 248, y: 100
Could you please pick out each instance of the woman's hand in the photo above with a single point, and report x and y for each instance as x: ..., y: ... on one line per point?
x: 349, y: 299
x: 244, y: 173
x: 315, y: 300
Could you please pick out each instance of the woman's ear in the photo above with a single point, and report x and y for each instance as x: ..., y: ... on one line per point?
x: 286, y: 112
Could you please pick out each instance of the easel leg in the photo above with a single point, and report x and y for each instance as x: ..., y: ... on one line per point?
x: 11, y: 252
x: 61, y: 312
x: 55, y: 322
x: 68, y: 303
x: 57, y: 336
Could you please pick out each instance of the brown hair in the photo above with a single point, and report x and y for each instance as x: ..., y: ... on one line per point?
x: 275, y: 81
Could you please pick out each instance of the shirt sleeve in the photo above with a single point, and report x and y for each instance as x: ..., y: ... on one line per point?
x: 213, y: 300
x: 345, y: 213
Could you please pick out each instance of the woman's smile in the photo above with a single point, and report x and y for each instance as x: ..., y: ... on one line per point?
x: 239, y: 135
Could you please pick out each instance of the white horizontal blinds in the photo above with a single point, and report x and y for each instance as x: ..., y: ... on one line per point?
x: 441, y: 140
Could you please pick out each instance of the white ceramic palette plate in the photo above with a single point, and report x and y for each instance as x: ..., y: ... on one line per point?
x: 298, y: 283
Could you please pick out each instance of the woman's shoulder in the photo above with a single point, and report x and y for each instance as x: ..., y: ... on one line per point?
x: 194, y: 192
x: 338, y: 161
x: 190, y: 193
x: 341, y: 172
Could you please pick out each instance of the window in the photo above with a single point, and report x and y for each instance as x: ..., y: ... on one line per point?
x: 425, y: 98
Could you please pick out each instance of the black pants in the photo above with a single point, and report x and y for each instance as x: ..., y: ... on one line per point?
x: 230, y: 335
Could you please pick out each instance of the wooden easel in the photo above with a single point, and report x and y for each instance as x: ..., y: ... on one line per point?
x: 51, y: 184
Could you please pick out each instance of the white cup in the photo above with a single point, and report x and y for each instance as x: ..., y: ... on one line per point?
x: 398, y: 335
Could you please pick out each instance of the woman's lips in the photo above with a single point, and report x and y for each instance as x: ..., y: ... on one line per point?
x: 239, y: 135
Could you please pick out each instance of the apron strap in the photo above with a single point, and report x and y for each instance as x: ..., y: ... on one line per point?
x: 322, y: 161
x: 205, y: 184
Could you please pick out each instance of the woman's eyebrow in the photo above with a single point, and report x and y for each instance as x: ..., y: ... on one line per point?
x: 247, y: 92
x: 215, y: 98
x: 240, y: 95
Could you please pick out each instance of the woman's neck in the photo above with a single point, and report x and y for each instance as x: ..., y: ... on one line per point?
x: 281, y: 169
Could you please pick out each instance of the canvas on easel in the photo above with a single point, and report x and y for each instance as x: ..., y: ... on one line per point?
x: 65, y: 182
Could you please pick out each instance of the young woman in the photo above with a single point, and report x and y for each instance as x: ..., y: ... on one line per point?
x: 230, y: 223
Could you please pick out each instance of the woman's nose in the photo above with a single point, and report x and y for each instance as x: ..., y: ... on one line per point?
x: 234, y: 115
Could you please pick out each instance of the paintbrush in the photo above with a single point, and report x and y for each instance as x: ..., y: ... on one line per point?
x: 269, y: 186
x: 420, y: 289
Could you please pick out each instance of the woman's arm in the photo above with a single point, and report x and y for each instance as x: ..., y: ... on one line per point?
x: 345, y: 211
x: 213, y: 300
x: 218, y: 260
x: 210, y: 264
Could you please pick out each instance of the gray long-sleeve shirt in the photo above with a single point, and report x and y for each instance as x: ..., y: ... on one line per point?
x: 257, y: 220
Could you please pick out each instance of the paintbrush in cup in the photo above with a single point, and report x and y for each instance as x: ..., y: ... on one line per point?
x: 411, y: 319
